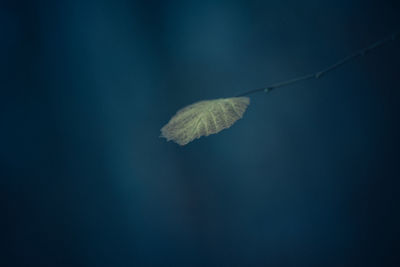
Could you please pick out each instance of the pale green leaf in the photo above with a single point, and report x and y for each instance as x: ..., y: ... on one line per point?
x: 204, y: 118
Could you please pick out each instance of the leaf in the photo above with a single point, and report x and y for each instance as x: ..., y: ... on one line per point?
x: 204, y: 118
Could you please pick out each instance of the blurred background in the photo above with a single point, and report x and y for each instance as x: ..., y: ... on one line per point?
x: 309, y: 176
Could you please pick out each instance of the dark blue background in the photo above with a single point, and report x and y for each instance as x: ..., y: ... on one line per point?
x: 309, y: 176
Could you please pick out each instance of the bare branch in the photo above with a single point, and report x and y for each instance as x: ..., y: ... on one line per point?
x: 319, y: 74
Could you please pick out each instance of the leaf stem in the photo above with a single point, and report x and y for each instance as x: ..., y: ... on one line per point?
x: 319, y: 74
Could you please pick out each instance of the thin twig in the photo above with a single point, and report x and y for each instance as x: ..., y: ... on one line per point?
x: 319, y: 74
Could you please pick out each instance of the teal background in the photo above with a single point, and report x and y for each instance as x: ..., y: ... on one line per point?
x: 309, y: 176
